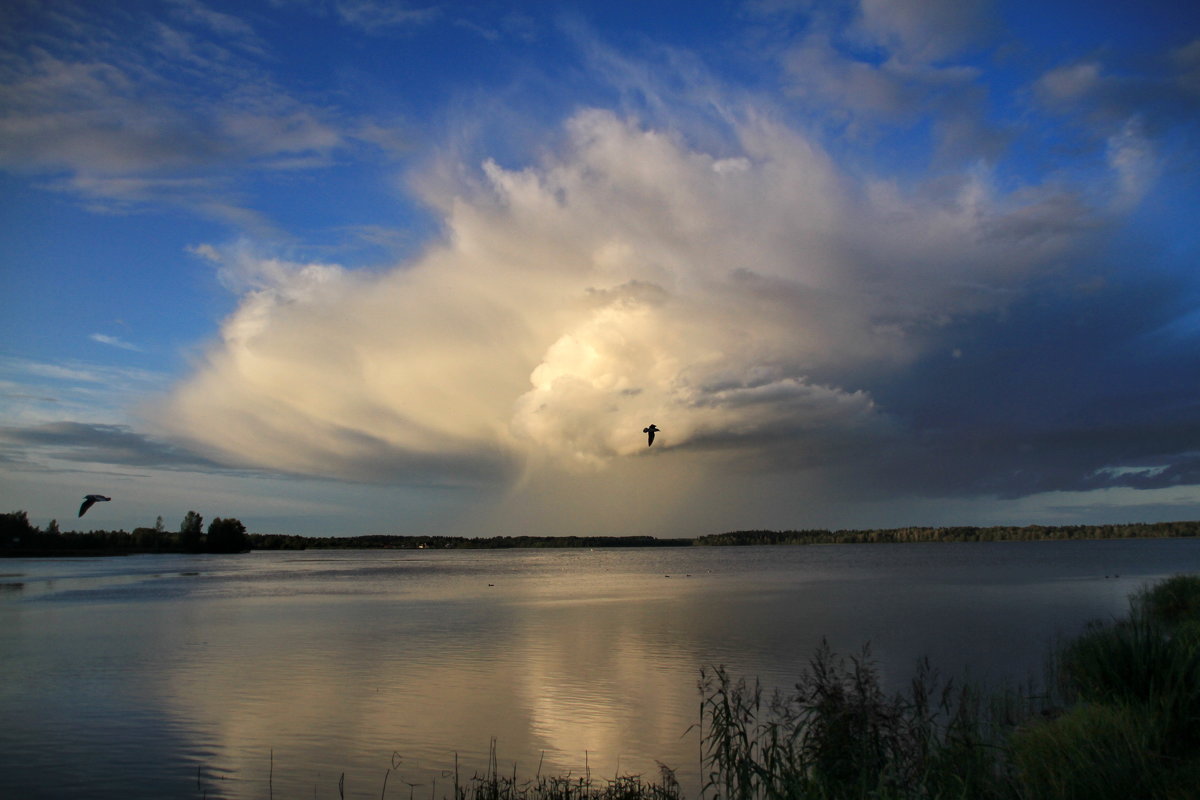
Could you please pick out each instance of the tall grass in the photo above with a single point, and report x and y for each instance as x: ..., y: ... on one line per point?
x: 627, y: 787
x: 494, y: 785
x: 837, y: 734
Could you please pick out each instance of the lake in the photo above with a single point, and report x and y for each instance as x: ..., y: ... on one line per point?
x: 275, y: 674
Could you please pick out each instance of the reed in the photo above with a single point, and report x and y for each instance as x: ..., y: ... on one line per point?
x: 492, y: 785
x: 837, y: 734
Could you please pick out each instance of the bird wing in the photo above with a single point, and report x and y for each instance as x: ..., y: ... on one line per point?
x: 87, y: 503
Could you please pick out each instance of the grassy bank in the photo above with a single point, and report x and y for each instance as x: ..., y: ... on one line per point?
x: 1118, y: 718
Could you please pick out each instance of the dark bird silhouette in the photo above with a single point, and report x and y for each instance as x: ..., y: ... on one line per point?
x: 91, y: 500
x: 653, y: 429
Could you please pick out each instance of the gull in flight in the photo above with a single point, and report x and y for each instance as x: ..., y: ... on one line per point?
x: 653, y: 429
x: 90, y: 500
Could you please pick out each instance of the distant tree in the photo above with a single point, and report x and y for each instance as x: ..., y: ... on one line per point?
x: 52, y: 528
x: 227, y: 536
x: 191, y: 533
x: 192, y: 523
x: 143, y: 538
x: 158, y: 525
x: 15, y: 527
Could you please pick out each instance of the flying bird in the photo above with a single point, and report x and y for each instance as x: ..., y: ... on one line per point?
x: 653, y: 429
x: 90, y: 500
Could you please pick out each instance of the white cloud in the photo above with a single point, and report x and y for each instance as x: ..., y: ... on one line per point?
x: 113, y: 341
x: 627, y: 279
x: 241, y: 270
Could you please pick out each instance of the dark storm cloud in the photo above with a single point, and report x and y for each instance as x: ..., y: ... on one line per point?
x: 1070, y: 389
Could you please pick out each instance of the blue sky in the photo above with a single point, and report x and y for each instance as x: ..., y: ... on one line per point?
x: 343, y: 266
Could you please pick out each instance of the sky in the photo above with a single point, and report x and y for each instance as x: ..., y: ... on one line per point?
x: 353, y: 266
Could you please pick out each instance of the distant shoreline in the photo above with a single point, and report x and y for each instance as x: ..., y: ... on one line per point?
x: 36, y: 544
x: 996, y: 533
x: 1149, y: 530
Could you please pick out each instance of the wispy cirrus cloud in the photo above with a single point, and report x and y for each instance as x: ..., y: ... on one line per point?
x: 36, y: 391
x: 374, y: 16
x: 114, y: 341
x: 130, y: 112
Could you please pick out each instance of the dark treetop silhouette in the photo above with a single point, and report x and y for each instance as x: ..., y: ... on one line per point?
x: 653, y: 429
x: 90, y: 500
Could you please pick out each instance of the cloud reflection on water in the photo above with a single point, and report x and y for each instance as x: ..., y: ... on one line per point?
x: 138, y: 675
x: 560, y: 672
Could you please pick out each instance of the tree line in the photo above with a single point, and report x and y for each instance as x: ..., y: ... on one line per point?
x: 1026, y: 533
x: 273, y: 541
x: 19, y: 537
x: 998, y: 533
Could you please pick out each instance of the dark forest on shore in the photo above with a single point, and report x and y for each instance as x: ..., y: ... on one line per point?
x: 19, y: 537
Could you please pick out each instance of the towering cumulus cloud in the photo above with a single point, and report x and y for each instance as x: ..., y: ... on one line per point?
x: 742, y: 302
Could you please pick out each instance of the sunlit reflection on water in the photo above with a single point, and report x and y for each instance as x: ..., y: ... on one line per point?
x: 279, y: 674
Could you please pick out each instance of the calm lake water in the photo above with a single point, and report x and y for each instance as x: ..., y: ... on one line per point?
x: 272, y: 674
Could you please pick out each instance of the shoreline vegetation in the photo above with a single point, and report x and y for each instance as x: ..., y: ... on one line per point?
x: 19, y: 537
x: 1117, y: 717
